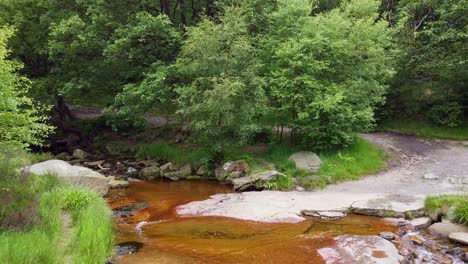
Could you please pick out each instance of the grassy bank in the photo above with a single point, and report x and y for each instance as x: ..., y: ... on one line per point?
x: 361, y: 158
x: 45, y: 221
x: 88, y: 238
x: 425, y: 129
x: 454, y: 207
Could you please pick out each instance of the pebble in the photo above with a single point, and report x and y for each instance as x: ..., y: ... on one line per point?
x: 387, y: 235
x: 430, y: 176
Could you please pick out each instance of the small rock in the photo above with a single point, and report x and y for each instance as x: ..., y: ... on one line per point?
x: 244, y: 183
x: 445, y: 228
x: 150, y: 173
x: 165, y: 167
x: 201, y: 171
x: 465, y: 181
x: 464, y: 257
x: 131, y: 172
x: 114, y: 184
x: 300, y: 189
x: 460, y: 237
x: 172, y: 175
x: 63, y: 156
x: 417, y: 239
x: 185, y: 171
x: 387, y: 235
x: 430, y: 176
x: 421, y: 222
x: 442, y: 259
x: 454, y: 251
x: 79, y: 154
x: 452, y: 180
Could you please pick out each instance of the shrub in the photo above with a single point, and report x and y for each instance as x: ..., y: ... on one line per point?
x: 19, y: 191
x: 447, y: 114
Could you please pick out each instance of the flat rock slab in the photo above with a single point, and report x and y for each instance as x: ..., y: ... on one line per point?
x: 460, y: 237
x: 390, y: 205
x: 276, y: 206
x: 306, y: 160
x: 421, y: 222
x: 361, y: 249
x: 445, y: 228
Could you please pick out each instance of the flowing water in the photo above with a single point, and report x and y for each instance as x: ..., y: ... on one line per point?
x: 165, y: 237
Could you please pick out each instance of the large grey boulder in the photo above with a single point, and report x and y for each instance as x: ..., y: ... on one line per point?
x: 306, y: 160
x: 75, y: 175
x: 248, y: 182
x: 361, y: 249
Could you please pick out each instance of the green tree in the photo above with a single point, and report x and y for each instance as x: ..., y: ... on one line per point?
x: 432, y: 74
x: 223, y: 97
x: 21, y: 121
x: 327, y: 72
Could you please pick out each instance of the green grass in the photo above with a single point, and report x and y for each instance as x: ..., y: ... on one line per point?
x: 351, y: 163
x: 172, y: 153
x: 437, y: 206
x: 425, y: 129
x: 91, y: 241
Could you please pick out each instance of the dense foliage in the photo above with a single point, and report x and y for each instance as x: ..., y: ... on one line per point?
x: 21, y: 122
x: 234, y: 68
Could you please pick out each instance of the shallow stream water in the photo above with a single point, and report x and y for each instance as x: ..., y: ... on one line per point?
x: 169, y: 238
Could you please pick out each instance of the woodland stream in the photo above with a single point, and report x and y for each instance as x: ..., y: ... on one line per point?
x: 146, y: 214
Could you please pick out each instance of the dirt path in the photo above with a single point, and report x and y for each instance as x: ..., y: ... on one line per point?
x: 400, y: 189
x: 412, y: 158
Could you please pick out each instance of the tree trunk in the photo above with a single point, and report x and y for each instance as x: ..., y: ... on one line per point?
x: 166, y: 7
x: 194, y: 10
x: 183, y: 19
x: 210, y: 10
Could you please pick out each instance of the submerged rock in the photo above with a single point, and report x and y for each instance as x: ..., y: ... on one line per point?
x: 360, y: 249
x: 306, y: 160
x: 130, y: 247
x: 75, y: 175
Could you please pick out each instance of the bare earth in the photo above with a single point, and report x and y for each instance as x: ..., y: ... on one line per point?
x: 401, y: 188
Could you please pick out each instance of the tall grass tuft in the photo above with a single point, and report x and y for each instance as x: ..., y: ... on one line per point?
x: 441, y: 205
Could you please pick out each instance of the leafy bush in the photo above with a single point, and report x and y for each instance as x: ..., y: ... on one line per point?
x: 448, y: 114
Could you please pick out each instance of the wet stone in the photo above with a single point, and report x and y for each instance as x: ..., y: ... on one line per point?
x: 130, y: 247
x: 387, y: 235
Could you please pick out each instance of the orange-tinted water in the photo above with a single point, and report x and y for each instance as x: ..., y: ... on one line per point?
x: 169, y: 238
